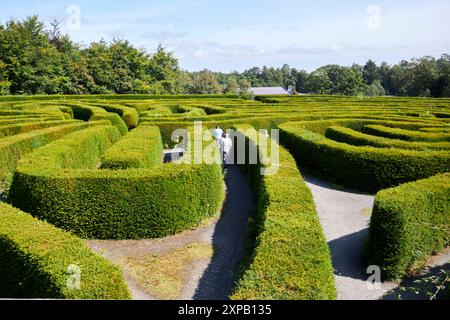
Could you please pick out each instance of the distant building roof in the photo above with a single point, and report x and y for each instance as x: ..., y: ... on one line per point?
x: 257, y: 91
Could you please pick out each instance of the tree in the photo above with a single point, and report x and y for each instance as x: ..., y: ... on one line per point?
x: 163, y: 66
x: 34, y: 60
x: 300, y: 80
x: 425, y: 77
x: 204, y: 82
x: 76, y: 78
x: 232, y: 86
x: 319, y: 82
x: 4, y: 83
x: 334, y: 79
x: 443, y: 83
x: 375, y: 89
x: 370, y: 72
x: 254, y: 76
x: 54, y: 34
x: 384, y: 71
x: 30, y: 59
x: 99, y: 59
x: 128, y: 64
x: 400, y: 79
x: 244, y: 85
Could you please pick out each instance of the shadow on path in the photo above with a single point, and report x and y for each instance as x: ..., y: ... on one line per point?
x: 419, y: 286
x: 346, y: 255
x: 217, y: 281
x: 311, y: 177
x: 345, y: 216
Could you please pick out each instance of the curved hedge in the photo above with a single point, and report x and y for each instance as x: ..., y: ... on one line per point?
x: 35, y: 257
x: 93, y: 113
x: 141, y: 148
x: 5, y: 121
x: 291, y: 258
x: 409, y: 223
x: 59, y: 183
x: 356, y: 138
x: 407, y: 135
x: 129, y: 115
x: 13, y: 129
x: 365, y: 168
x: 12, y: 148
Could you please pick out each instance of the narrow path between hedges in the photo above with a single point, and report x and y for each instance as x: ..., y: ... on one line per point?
x: 155, y: 268
x: 345, y: 217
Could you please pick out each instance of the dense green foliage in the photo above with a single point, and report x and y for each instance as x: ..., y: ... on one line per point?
x: 94, y: 113
x: 406, y: 135
x: 141, y: 148
x: 291, y: 259
x: 35, y: 260
x: 13, y: 129
x: 366, y: 168
x: 64, y: 183
x: 409, y: 223
x: 356, y: 138
x: 113, y: 204
x: 34, y: 60
x: 12, y: 148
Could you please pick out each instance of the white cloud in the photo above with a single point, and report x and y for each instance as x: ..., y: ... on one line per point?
x: 212, y: 49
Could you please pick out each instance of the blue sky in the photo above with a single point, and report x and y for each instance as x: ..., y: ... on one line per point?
x: 226, y: 35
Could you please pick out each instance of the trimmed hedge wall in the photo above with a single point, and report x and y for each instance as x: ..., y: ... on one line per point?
x: 13, y: 129
x: 291, y: 258
x: 356, y: 138
x: 365, y: 168
x: 92, y: 113
x: 35, y: 257
x: 11, y: 121
x: 59, y: 183
x: 118, y: 97
x: 141, y: 148
x: 396, y: 133
x: 14, y: 147
x: 409, y: 223
x: 129, y: 115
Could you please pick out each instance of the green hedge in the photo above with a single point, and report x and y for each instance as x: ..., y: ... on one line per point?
x: 7, y: 122
x: 35, y: 257
x: 447, y: 130
x: 291, y: 259
x: 92, y: 113
x: 129, y: 115
x: 365, y: 168
x: 409, y: 223
x: 13, y: 129
x: 141, y: 148
x: 59, y: 183
x: 14, y: 147
x: 356, y: 138
x: 190, y: 111
x: 396, y: 133
x: 116, y: 97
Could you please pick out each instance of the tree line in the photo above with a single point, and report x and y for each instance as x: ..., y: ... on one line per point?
x: 39, y: 60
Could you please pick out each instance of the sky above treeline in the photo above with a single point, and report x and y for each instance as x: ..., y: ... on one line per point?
x: 227, y: 35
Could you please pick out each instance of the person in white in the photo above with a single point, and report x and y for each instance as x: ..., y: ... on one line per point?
x: 225, y: 145
x: 217, y: 134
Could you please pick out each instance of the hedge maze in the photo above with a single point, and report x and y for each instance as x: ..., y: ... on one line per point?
x: 91, y: 167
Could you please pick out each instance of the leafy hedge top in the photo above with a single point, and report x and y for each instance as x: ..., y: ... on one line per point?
x: 409, y: 223
x: 141, y: 148
x: 291, y: 259
x: 71, y: 151
x: 42, y: 255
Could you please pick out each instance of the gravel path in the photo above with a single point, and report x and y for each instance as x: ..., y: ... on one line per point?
x: 345, y: 217
x: 213, y: 279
